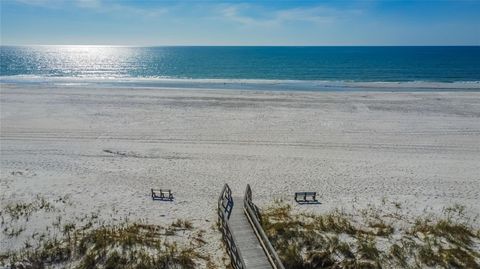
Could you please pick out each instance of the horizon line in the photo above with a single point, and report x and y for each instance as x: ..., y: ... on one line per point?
x: 180, y: 45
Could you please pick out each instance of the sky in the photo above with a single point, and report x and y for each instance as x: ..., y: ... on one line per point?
x: 281, y: 22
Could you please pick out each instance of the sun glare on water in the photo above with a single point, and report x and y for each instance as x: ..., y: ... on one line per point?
x: 85, y: 61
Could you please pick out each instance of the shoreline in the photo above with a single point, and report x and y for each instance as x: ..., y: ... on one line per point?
x: 242, y: 84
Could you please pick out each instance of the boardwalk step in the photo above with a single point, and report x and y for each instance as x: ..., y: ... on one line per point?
x: 247, y: 241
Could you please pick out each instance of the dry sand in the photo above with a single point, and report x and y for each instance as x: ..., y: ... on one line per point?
x: 106, y: 148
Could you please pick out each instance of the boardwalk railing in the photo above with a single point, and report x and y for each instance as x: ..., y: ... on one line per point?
x: 253, y: 215
x: 225, y: 206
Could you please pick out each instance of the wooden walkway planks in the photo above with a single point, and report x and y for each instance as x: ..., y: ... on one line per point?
x: 250, y: 248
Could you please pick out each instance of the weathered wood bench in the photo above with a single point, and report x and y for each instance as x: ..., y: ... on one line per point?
x: 161, y: 194
x: 306, y: 197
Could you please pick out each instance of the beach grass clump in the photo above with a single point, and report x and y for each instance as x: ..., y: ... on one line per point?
x: 446, y: 244
x: 380, y: 228
x: 129, y: 245
x: 340, y: 240
x: 24, y: 209
x: 455, y: 233
x: 182, y: 224
x: 14, y: 216
x: 398, y: 253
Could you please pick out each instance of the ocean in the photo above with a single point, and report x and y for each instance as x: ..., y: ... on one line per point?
x: 288, y: 68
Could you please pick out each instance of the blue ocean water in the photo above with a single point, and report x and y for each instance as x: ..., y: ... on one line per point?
x: 136, y: 65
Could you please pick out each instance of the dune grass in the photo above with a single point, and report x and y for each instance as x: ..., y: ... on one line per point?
x: 340, y: 240
x: 25, y: 209
x: 86, y: 241
x: 134, y: 245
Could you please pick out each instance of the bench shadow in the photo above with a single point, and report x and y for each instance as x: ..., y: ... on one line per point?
x: 163, y: 199
x: 309, y: 203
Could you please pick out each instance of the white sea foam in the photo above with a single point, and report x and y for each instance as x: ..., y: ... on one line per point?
x: 259, y: 84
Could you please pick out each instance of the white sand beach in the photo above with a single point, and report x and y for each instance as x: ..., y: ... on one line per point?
x: 104, y: 148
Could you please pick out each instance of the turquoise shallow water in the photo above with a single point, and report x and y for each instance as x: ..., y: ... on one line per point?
x: 304, y: 65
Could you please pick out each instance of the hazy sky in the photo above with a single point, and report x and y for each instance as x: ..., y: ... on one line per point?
x: 340, y: 22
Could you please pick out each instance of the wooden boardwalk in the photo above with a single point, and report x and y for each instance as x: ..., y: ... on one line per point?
x: 248, y: 243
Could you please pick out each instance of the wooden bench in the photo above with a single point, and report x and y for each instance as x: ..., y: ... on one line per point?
x: 306, y: 197
x: 161, y: 194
